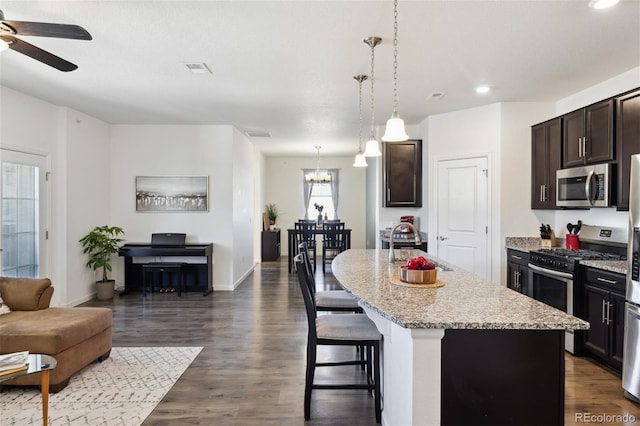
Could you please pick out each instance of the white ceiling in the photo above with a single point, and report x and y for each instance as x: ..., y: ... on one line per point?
x: 287, y: 67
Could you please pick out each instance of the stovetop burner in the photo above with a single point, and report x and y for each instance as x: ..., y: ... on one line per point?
x: 581, y: 254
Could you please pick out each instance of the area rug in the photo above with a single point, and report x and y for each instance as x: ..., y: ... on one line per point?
x: 122, y: 390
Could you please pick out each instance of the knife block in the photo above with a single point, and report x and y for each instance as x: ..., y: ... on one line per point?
x: 551, y: 242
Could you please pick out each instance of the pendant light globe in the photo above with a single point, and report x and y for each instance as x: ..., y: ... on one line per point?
x: 372, y: 148
x: 360, y: 161
x: 395, y: 131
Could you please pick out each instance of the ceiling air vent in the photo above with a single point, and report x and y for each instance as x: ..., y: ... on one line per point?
x: 436, y: 96
x: 198, y: 68
x: 257, y: 134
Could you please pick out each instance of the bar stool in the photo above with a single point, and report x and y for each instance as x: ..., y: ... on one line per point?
x: 162, y: 268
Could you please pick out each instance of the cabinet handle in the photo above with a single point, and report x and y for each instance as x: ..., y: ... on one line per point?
x: 604, y: 280
x: 541, y: 192
x: 516, y: 257
x: 608, y: 313
x: 584, y: 146
x: 518, y: 279
x: 604, y: 320
x: 580, y: 147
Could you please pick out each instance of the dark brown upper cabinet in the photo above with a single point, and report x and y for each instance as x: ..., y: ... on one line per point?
x: 587, y: 135
x: 402, y: 177
x: 546, y: 146
x: 627, y: 141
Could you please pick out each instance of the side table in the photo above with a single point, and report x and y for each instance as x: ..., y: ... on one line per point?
x: 38, y: 363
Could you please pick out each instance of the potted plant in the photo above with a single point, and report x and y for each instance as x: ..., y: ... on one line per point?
x: 99, y: 245
x: 272, y: 214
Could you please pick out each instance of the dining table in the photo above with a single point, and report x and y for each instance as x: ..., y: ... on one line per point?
x: 292, y: 237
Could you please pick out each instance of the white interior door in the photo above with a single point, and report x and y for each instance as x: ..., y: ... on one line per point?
x: 23, y: 214
x: 462, y: 230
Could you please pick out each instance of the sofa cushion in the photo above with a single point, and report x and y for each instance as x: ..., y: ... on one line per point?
x: 23, y: 294
x: 51, y: 331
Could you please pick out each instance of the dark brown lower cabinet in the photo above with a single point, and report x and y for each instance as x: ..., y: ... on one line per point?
x: 270, y: 245
x: 402, y: 177
x: 604, y: 310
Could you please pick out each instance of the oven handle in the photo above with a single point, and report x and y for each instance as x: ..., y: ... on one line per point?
x: 550, y: 272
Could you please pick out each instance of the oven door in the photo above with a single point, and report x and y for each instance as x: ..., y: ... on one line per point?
x: 551, y: 287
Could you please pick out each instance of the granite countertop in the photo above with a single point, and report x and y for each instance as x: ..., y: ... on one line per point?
x: 619, y: 266
x: 527, y: 244
x: 465, y: 302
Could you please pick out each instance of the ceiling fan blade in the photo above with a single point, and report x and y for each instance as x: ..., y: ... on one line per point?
x: 45, y: 29
x: 38, y: 54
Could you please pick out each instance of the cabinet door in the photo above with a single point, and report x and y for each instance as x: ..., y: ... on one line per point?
x: 597, y: 337
x: 402, y: 173
x: 599, y: 133
x: 538, y: 166
x: 524, y: 280
x: 572, y: 134
x: 616, y: 329
x: 512, y: 276
x: 546, y: 149
x: 627, y: 141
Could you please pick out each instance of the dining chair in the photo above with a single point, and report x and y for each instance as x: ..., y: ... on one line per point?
x: 304, y: 234
x: 338, y: 330
x: 327, y: 300
x: 333, y: 243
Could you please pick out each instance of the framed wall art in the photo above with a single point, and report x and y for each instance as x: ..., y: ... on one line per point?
x: 172, y: 193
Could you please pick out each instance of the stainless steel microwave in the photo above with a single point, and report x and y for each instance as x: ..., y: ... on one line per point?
x: 588, y: 186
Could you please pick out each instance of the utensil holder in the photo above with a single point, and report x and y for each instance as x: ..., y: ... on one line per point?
x: 572, y: 242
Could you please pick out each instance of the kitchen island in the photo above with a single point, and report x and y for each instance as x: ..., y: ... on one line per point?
x: 470, y: 352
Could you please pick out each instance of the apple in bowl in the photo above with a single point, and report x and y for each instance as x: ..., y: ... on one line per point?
x: 418, y: 270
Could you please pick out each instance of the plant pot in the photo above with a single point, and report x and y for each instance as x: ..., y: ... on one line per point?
x: 105, y: 289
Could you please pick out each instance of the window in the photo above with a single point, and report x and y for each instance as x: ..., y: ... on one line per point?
x: 321, y: 195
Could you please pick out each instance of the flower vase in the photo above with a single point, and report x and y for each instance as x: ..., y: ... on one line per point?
x: 319, y: 220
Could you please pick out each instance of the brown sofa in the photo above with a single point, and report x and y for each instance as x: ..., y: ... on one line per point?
x: 76, y: 337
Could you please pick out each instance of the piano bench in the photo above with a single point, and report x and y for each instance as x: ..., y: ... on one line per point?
x: 162, y: 268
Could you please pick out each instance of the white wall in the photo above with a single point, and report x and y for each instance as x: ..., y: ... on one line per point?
x: 77, y: 157
x: 463, y: 134
x: 243, y: 207
x: 171, y: 150
x: 284, y: 188
x: 85, y: 168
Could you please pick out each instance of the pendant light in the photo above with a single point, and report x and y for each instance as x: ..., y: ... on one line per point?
x: 360, y: 161
x: 372, y: 148
x: 395, y: 131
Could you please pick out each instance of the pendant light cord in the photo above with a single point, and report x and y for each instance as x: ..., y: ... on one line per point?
x: 360, y: 116
x: 372, y: 94
x: 395, y: 57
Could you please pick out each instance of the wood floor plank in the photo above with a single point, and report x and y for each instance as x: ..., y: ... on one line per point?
x: 251, y: 370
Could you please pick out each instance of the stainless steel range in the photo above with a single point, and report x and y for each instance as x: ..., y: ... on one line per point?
x: 551, y: 271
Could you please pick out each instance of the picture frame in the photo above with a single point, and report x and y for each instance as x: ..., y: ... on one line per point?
x: 172, y: 193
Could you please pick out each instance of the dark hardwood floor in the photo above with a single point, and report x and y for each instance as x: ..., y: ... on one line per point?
x: 251, y: 370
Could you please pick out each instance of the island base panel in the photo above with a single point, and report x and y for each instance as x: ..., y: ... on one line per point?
x: 502, y: 377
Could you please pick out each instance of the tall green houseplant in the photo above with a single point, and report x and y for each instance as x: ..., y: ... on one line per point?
x: 99, y: 245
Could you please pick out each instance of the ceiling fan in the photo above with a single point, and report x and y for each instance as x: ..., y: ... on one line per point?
x: 10, y: 29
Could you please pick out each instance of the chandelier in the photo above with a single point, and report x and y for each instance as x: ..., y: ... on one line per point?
x: 318, y: 176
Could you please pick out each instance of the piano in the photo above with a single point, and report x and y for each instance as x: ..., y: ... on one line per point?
x: 197, y: 275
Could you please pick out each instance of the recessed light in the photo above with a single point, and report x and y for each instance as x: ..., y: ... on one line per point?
x: 602, y: 4
x: 483, y: 89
